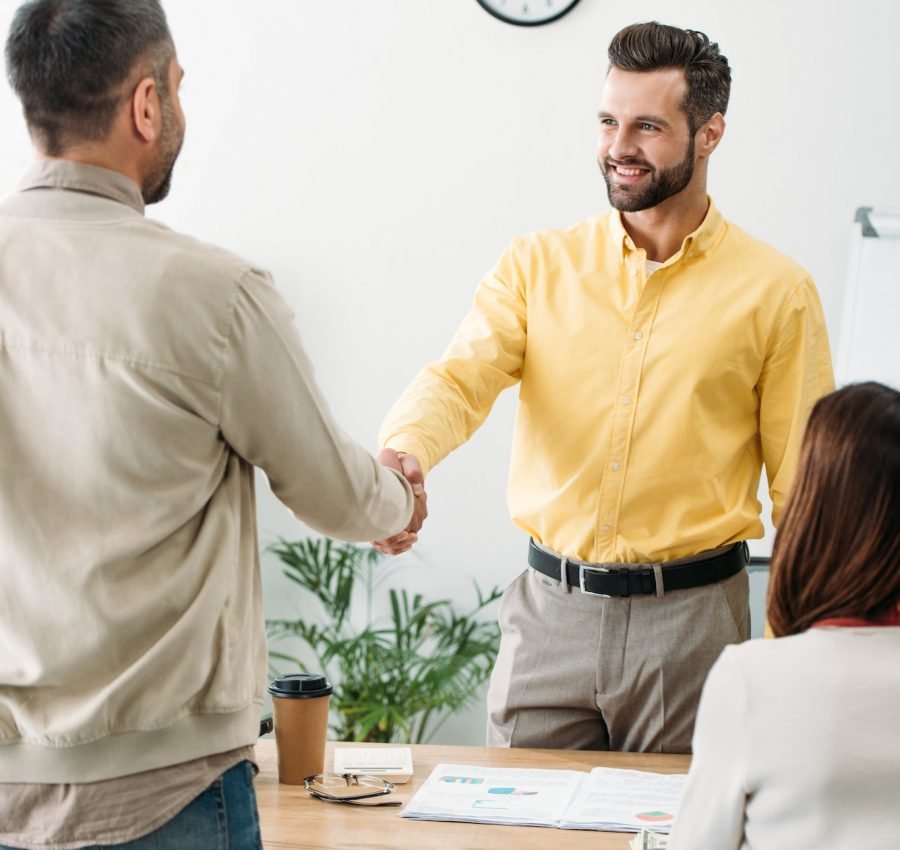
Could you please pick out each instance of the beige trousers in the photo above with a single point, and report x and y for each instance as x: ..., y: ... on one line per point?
x: 591, y: 673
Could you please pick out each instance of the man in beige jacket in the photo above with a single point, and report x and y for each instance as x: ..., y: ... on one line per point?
x: 143, y: 376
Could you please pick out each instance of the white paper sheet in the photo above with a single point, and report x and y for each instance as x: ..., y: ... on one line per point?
x: 605, y: 799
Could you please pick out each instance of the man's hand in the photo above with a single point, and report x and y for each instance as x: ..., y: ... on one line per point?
x: 409, y: 467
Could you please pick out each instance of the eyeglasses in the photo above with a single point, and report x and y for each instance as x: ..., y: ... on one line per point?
x: 354, y: 788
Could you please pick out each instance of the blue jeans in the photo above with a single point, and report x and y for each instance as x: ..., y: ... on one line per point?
x: 223, y: 817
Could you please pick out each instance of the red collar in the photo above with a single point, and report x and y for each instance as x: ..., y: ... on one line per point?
x: 892, y: 618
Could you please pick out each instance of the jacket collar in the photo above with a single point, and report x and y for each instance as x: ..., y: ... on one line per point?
x: 77, y: 177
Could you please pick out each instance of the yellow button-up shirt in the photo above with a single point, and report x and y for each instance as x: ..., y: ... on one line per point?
x: 648, y: 404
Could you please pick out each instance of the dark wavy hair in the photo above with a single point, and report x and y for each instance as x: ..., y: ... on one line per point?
x: 652, y: 46
x: 837, y: 553
x: 67, y: 61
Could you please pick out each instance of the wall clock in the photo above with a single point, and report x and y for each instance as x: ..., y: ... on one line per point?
x: 528, y: 13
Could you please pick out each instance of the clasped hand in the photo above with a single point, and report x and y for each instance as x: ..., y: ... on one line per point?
x: 409, y: 468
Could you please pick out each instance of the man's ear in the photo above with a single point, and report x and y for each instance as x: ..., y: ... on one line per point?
x: 145, y: 109
x: 710, y: 134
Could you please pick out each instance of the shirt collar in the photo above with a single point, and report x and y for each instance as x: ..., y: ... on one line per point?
x: 78, y: 177
x: 695, y: 244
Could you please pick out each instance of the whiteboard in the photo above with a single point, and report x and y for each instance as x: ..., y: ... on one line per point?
x: 870, y: 332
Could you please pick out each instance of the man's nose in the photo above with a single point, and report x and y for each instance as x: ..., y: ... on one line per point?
x: 623, y: 145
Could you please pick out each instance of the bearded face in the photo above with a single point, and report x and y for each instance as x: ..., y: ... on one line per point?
x: 634, y: 184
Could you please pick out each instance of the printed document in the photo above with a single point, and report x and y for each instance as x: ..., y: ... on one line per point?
x: 607, y: 799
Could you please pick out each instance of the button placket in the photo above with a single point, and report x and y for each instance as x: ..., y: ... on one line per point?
x: 630, y: 370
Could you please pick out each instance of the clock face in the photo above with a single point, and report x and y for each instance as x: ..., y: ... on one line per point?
x: 528, y: 13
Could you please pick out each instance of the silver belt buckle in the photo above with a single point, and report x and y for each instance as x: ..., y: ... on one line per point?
x: 581, y: 571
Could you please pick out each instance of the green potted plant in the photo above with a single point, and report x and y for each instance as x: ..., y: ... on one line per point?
x: 398, y: 677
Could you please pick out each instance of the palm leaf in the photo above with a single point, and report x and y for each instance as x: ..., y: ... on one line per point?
x: 397, y: 679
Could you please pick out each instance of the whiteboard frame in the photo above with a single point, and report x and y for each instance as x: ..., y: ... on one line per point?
x: 868, y: 223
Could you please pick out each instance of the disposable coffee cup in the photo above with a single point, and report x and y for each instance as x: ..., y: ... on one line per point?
x: 300, y: 707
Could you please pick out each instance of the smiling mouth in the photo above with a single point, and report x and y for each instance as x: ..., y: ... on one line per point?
x: 627, y: 170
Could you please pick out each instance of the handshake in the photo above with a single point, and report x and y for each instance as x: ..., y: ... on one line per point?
x: 409, y: 468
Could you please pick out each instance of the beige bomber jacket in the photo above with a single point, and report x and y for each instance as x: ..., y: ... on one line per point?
x: 143, y: 376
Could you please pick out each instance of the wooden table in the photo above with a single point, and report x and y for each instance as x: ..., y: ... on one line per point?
x: 291, y: 819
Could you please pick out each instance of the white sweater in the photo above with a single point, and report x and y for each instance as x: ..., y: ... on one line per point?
x: 797, y: 745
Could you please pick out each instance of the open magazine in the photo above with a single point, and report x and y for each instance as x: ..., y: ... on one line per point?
x: 606, y: 798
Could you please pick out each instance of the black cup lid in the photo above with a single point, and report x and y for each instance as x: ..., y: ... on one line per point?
x: 300, y: 685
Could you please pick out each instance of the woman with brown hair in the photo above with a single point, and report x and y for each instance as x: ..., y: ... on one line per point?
x: 797, y: 742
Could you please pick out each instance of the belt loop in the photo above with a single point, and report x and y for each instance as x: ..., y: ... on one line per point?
x: 658, y: 578
x: 564, y: 573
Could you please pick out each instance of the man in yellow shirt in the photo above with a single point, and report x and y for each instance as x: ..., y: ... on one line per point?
x: 664, y: 355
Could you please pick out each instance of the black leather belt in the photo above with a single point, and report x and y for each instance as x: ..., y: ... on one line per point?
x: 615, y: 580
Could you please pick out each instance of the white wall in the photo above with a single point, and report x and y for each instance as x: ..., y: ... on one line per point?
x: 377, y: 156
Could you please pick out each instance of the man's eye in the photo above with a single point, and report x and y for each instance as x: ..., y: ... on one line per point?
x: 646, y: 126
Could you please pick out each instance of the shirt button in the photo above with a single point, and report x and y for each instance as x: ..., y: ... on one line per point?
x: 626, y: 399
x: 615, y: 466
x: 604, y: 529
x: 632, y: 272
x: 638, y: 335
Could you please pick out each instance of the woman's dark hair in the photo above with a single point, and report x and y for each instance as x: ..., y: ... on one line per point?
x: 837, y: 552
x: 652, y: 46
x: 67, y: 60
